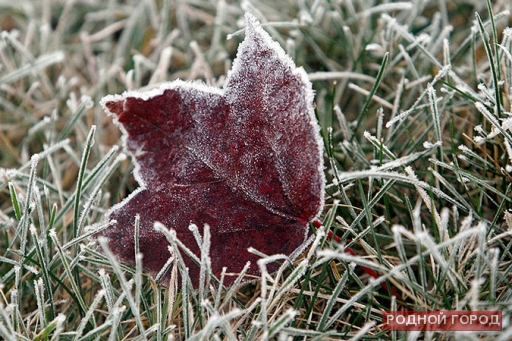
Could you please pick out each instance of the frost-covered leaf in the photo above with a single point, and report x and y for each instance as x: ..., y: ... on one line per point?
x: 246, y: 160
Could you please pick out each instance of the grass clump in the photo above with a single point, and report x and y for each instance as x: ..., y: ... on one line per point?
x: 414, y: 104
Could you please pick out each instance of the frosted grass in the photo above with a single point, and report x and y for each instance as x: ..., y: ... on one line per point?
x: 425, y: 204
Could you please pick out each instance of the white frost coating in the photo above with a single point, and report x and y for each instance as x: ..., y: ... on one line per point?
x: 146, y: 95
x: 478, y: 139
x: 87, y: 101
x: 149, y: 94
x: 253, y: 30
x: 429, y: 145
x: 506, y: 124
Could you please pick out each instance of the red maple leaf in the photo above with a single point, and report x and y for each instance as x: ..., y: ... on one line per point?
x: 245, y: 159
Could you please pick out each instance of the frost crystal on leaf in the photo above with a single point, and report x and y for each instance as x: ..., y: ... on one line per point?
x: 246, y: 160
